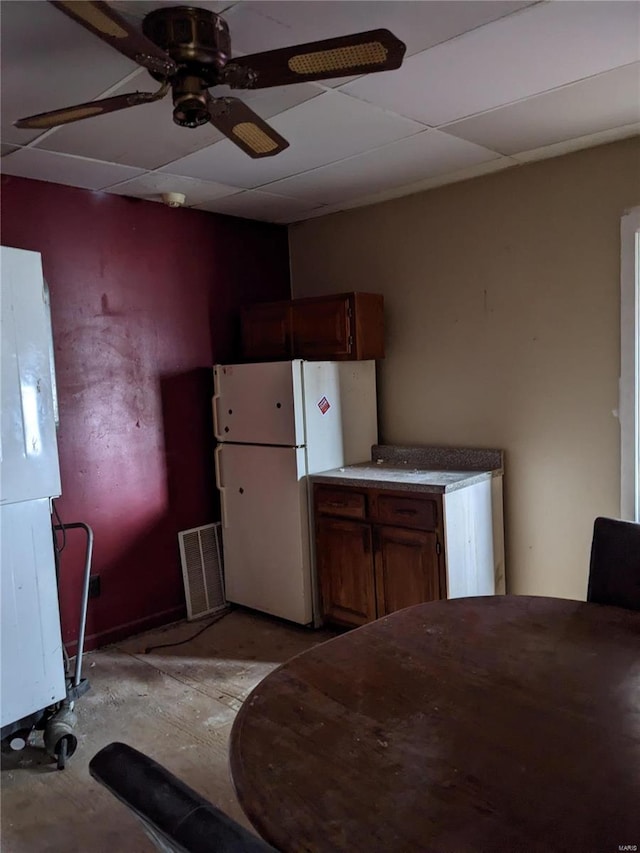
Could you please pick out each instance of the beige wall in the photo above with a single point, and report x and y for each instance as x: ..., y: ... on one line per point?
x: 502, y: 328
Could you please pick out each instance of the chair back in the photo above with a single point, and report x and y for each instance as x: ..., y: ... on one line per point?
x: 614, y: 571
x: 174, y: 816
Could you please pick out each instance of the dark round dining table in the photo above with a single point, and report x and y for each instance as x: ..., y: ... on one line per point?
x: 506, y: 723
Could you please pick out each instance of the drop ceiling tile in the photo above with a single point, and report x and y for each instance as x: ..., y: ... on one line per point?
x: 419, y: 186
x: 7, y: 149
x: 146, y: 135
x: 62, y: 169
x: 592, y: 139
x: 49, y: 61
x: 256, y: 204
x: 327, y: 128
x: 280, y: 23
x: 153, y: 184
x: 543, y: 47
x: 414, y: 159
x: 599, y: 103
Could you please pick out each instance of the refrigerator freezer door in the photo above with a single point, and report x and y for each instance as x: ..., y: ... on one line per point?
x: 340, y: 412
x: 259, y: 403
x: 265, y: 529
x: 28, y: 450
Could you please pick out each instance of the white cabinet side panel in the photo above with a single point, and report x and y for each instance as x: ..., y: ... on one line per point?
x: 468, y: 531
x: 32, y: 663
x: 265, y: 531
x: 29, y: 450
x: 340, y: 412
x: 258, y: 403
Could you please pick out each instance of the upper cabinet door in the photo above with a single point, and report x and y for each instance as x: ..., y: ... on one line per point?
x: 266, y: 331
x: 322, y: 328
x: 259, y: 403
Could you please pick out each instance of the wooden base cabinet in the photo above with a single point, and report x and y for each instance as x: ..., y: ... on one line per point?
x: 387, y: 560
x: 380, y: 550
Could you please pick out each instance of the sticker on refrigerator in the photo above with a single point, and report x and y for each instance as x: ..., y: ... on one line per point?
x: 324, y: 405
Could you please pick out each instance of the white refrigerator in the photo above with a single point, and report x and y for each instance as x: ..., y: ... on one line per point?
x: 276, y: 423
x: 32, y: 668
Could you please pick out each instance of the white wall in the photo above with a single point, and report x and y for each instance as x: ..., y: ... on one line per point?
x: 502, y: 299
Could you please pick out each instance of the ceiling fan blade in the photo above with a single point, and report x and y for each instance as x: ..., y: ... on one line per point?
x: 245, y: 128
x: 104, y: 22
x: 360, y: 53
x: 44, y: 121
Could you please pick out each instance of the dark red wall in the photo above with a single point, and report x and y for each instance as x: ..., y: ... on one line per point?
x: 144, y: 301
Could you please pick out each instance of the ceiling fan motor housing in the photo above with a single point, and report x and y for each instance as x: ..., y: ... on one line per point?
x: 198, y: 41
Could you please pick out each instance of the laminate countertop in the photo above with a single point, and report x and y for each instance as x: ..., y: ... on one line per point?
x: 423, y: 469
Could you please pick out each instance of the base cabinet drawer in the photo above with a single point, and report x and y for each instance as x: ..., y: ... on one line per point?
x: 406, y: 511
x: 341, y: 502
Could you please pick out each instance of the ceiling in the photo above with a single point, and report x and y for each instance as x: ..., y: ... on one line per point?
x: 484, y: 86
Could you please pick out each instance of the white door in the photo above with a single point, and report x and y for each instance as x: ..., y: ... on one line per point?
x: 259, y: 403
x: 265, y: 532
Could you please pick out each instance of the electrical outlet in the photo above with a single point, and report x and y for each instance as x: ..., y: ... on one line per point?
x: 94, y: 586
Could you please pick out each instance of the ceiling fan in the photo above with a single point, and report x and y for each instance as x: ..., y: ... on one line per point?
x: 188, y: 50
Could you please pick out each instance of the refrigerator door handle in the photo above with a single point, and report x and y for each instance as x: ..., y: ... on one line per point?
x: 214, y: 407
x: 221, y: 488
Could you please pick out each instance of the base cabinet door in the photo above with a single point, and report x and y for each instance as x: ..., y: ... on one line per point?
x: 406, y: 568
x: 345, y: 571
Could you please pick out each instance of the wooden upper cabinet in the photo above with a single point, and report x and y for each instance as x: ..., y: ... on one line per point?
x: 345, y: 326
x: 266, y: 331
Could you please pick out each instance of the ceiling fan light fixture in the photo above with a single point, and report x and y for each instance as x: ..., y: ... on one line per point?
x: 190, y: 102
x: 371, y: 53
x: 190, y: 113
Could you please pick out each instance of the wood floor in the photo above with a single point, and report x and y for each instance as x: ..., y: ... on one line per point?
x: 175, y: 704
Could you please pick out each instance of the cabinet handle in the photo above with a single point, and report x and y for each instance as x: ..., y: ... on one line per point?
x: 335, y: 504
x: 407, y: 511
